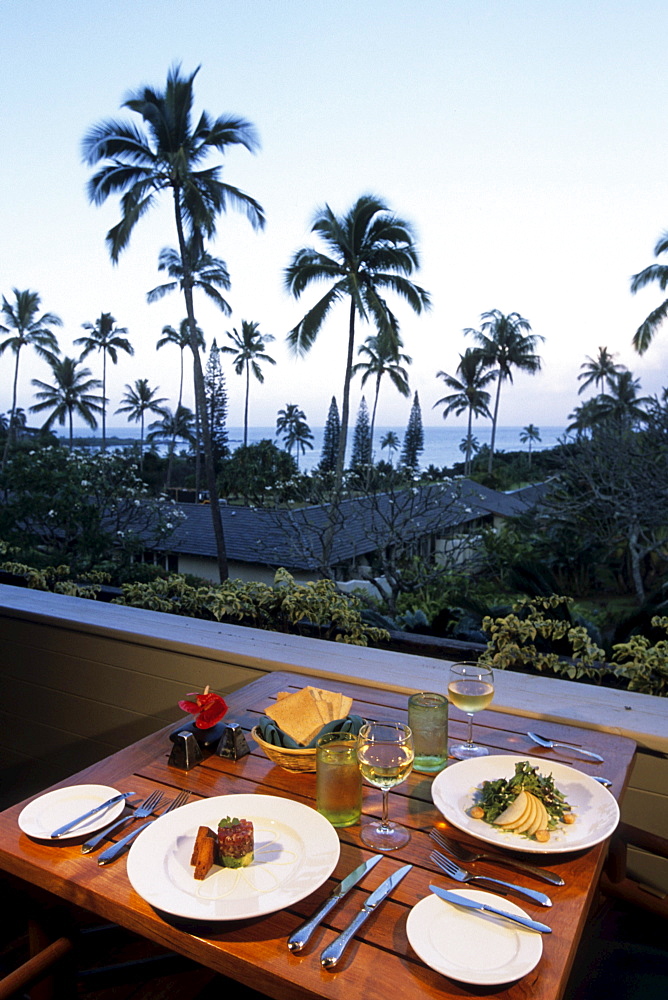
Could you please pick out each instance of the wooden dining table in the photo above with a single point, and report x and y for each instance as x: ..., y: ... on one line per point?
x: 379, y: 962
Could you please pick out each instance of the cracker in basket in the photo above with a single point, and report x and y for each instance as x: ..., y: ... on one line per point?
x: 331, y: 704
x: 297, y: 715
x: 303, y: 714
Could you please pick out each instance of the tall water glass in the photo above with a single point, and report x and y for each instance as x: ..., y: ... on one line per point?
x: 338, y: 782
x: 428, y: 718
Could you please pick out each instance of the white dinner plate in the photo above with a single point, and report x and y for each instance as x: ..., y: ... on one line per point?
x: 54, y: 809
x: 595, y: 809
x: 296, y: 850
x: 471, y: 946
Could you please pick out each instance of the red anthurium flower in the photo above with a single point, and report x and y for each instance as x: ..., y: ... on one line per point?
x: 208, y: 708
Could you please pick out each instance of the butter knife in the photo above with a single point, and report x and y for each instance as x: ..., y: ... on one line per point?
x: 300, y: 937
x: 473, y: 904
x: 91, y: 812
x: 333, y: 952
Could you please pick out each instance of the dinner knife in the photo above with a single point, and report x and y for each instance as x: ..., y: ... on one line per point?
x: 474, y: 904
x: 333, y: 952
x: 91, y: 812
x: 300, y: 937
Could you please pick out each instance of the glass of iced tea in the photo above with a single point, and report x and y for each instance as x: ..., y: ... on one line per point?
x: 338, y: 783
x: 471, y: 688
x: 385, y: 753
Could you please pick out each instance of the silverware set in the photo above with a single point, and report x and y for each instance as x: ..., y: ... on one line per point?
x: 117, y: 849
x: 461, y: 853
x: 454, y: 871
x: 141, y: 812
x: 144, y: 809
x: 333, y: 952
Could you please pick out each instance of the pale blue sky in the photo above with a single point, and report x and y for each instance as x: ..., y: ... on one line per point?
x: 524, y: 139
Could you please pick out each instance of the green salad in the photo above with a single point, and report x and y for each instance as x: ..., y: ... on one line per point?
x: 495, y: 796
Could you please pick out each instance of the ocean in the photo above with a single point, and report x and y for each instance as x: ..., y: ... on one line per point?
x: 441, y: 444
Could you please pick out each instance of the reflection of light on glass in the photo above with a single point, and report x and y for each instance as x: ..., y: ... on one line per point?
x: 269, y: 869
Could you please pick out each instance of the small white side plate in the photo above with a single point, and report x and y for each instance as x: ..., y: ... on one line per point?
x: 45, y: 814
x: 470, y: 946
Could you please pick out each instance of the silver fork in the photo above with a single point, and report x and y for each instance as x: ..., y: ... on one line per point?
x: 461, y: 875
x: 143, y: 810
x: 462, y: 853
x: 117, y: 849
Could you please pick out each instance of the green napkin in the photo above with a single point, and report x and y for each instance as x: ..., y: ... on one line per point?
x: 271, y: 733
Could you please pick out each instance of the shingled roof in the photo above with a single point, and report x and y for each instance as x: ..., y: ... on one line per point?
x: 294, y: 537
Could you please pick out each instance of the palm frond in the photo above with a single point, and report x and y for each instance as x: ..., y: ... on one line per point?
x: 645, y: 332
x: 302, y: 337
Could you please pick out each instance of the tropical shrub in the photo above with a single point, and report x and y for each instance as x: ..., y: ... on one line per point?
x: 540, y: 635
x: 301, y: 608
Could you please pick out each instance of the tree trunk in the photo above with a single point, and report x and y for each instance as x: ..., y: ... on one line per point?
x: 467, y: 463
x: 104, y: 399
x: 200, y: 396
x: 328, y: 538
x: 246, y: 404
x: 494, y: 420
x: 635, y: 556
x: 11, y: 430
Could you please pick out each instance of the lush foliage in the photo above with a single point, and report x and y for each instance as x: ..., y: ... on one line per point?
x: 301, y: 608
x: 540, y: 635
x: 71, y: 507
x: 251, y: 471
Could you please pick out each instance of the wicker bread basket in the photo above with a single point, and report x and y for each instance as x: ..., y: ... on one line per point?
x: 292, y: 760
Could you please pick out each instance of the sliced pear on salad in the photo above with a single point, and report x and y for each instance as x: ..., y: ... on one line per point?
x: 541, y: 821
x: 530, y: 818
x: 515, y: 812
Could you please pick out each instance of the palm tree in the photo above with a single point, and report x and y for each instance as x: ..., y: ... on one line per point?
x: 174, y: 425
x: 585, y: 417
x: 529, y: 434
x: 654, y: 273
x: 505, y: 343
x: 382, y: 358
x: 292, y: 427
x: 26, y: 329
x: 207, y: 272
x: 623, y: 404
x: 181, y: 339
x: 138, y: 400
x: 166, y: 152
x: 391, y: 442
x: 469, y: 446
x: 248, y: 350
x: 104, y: 336
x: 369, y: 250
x: 468, y: 395
x: 599, y: 370
x: 71, y: 392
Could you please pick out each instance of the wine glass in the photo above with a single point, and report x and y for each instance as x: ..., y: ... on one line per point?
x: 385, y: 755
x: 471, y: 688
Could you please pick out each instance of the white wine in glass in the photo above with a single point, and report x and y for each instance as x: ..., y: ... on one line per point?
x: 385, y: 755
x: 471, y: 688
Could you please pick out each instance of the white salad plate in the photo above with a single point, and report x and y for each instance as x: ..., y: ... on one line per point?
x: 596, y: 811
x: 54, y: 809
x: 471, y: 946
x: 296, y: 850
